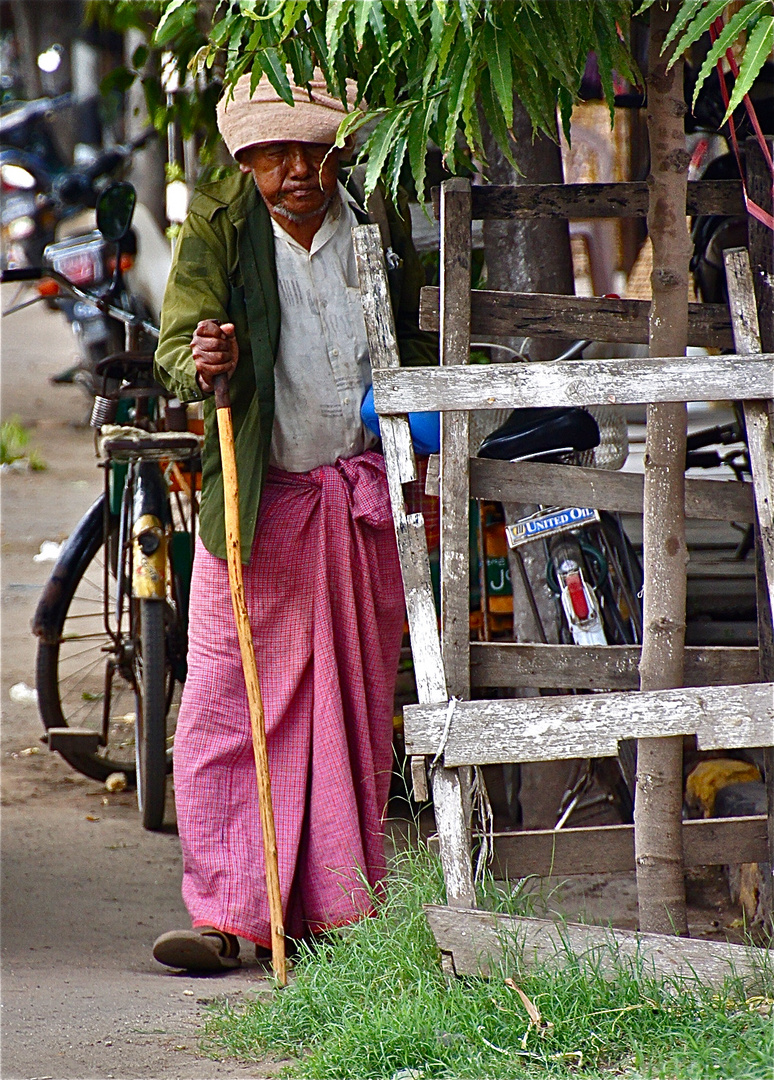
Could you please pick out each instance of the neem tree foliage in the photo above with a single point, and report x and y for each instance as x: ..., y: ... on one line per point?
x: 428, y: 69
x: 423, y: 67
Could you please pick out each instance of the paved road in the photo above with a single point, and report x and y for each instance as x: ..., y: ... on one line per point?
x: 84, y: 889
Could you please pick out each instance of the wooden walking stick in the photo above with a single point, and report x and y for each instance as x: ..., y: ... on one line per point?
x: 236, y: 581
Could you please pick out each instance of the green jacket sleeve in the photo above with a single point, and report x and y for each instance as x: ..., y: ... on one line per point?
x: 198, y: 288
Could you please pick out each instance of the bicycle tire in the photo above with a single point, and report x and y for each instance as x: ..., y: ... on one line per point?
x: 74, y: 650
x: 151, y: 713
x: 70, y: 677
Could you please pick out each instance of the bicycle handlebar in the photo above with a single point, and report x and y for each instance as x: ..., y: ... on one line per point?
x: 35, y: 273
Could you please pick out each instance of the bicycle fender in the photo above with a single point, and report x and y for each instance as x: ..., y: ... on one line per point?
x: 78, y: 549
x: 150, y: 534
x: 149, y: 558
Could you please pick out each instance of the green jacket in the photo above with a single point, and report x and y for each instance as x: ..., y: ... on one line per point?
x: 223, y: 268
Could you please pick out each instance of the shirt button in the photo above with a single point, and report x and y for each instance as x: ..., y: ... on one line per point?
x: 334, y: 352
x: 346, y: 401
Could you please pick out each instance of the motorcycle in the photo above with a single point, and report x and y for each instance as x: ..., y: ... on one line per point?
x: 39, y: 206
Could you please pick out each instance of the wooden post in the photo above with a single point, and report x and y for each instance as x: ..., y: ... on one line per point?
x: 455, y: 274
x: 659, y: 796
x: 456, y: 249
x: 747, y: 339
x: 761, y: 244
x: 448, y: 800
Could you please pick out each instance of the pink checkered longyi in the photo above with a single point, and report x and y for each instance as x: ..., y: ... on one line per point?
x: 326, y: 608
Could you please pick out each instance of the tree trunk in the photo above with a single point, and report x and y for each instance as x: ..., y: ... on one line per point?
x: 658, y: 806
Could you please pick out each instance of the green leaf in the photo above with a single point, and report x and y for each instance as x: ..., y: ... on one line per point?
x: 274, y: 66
x: 321, y: 49
x: 565, y: 110
x: 300, y: 59
x: 162, y: 30
x: 379, y: 26
x: 447, y: 41
x: 725, y: 40
x: 380, y: 143
x: 459, y: 73
x: 418, y: 135
x: 495, y: 118
x: 350, y: 124
x: 500, y: 66
x: 759, y: 45
x: 119, y: 79
x: 140, y: 57
x: 334, y: 23
x: 292, y: 12
x: 644, y: 6
x: 605, y: 64
x: 468, y: 12
x: 362, y: 12
x: 702, y: 22
x: 395, y: 165
x: 687, y: 11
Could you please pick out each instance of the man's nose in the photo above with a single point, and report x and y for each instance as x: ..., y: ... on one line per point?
x: 300, y: 165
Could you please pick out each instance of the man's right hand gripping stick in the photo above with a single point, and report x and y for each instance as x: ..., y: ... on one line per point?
x: 257, y: 723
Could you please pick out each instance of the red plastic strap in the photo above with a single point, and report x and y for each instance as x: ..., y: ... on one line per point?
x: 752, y: 207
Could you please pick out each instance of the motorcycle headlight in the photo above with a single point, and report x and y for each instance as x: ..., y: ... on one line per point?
x: 16, y: 176
x: 20, y: 228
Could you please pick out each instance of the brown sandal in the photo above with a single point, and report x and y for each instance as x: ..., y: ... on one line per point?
x: 205, y: 949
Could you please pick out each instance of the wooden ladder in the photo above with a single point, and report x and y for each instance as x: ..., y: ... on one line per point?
x: 729, y: 700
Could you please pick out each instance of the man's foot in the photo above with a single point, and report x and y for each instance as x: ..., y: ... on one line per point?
x: 204, y: 949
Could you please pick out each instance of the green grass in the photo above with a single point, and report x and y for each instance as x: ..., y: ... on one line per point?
x: 14, y: 445
x: 374, y: 1003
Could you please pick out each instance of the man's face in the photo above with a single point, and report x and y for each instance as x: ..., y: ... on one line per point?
x: 297, y: 180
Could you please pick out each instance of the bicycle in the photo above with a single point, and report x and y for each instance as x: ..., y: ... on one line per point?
x: 112, y: 619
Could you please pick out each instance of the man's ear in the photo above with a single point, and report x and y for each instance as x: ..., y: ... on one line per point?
x: 244, y: 168
x: 348, y: 148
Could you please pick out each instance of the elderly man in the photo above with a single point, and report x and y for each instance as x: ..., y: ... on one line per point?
x: 264, y: 288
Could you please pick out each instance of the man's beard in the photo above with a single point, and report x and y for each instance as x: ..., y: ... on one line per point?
x: 299, y: 219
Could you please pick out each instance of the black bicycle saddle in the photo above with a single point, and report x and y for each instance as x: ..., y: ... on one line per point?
x: 547, y: 433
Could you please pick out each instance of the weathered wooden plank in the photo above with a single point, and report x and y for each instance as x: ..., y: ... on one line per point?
x: 380, y: 329
x: 589, y: 725
x: 451, y: 819
x: 455, y: 270
x: 552, y: 485
x: 760, y: 442
x: 595, y: 318
x: 609, y: 849
x: 580, y: 382
x: 744, y: 316
x: 612, y: 667
x: 582, y: 201
x: 481, y: 943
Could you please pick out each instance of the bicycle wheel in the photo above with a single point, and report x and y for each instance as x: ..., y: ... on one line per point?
x: 80, y: 680
x: 151, y: 712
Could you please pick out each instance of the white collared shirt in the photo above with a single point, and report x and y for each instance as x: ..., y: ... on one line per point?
x: 322, y: 371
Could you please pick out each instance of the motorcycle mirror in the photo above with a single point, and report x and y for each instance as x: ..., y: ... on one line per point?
x: 115, y: 208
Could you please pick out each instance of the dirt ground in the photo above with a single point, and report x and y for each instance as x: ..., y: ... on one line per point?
x: 84, y: 889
